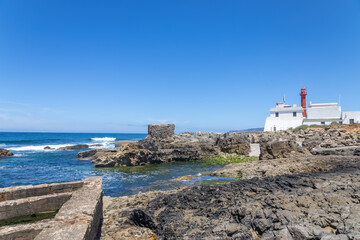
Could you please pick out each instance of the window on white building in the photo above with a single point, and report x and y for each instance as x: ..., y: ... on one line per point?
x: 294, y: 114
x: 352, y: 121
x: 277, y: 114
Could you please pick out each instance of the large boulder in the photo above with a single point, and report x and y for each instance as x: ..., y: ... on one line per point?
x: 234, y: 142
x: 5, y: 153
x: 281, y: 149
x: 312, y: 142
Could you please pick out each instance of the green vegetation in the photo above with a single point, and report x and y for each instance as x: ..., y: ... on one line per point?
x: 214, y: 182
x: 28, y: 219
x: 227, y: 159
x: 302, y: 127
x: 318, y: 126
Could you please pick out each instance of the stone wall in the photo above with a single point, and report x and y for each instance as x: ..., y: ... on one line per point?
x: 79, y: 205
x: 161, y: 130
x: 13, y: 193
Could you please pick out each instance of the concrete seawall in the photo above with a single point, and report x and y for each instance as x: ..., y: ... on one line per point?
x: 79, y: 206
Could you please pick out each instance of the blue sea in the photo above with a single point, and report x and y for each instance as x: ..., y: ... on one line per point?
x: 33, y: 165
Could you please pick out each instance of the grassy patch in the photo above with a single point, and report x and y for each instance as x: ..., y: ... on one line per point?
x: 302, y: 127
x: 28, y: 219
x: 214, y: 182
x: 318, y: 126
x: 227, y: 159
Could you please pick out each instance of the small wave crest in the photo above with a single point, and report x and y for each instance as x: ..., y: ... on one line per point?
x: 38, y: 148
x: 103, y: 139
x: 2, y: 145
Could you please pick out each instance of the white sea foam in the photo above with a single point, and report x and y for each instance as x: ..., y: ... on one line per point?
x: 19, y: 155
x: 39, y: 148
x: 104, y: 139
x: 2, y: 145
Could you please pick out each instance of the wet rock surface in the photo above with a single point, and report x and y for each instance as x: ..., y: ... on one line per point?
x: 5, y: 153
x: 324, y: 204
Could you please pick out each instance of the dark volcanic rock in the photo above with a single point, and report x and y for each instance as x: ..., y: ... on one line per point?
x: 5, y: 153
x: 322, y: 205
x: 73, y: 147
x: 281, y: 149
x: 304, y: 204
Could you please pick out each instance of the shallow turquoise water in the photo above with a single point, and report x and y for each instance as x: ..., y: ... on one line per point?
x: 34, y: 165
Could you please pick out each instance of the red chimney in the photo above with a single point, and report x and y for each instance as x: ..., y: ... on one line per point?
x: 303, y: 101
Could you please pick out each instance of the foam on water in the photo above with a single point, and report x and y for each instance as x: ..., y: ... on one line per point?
x: 2, y: 145
x: 39, y: 148
x: 103, y: 139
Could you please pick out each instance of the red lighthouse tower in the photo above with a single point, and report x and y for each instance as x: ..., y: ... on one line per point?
x: 303, y: 101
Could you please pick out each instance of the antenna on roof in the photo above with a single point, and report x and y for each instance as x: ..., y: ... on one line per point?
x: 339, y: 98
x: 284, y: 98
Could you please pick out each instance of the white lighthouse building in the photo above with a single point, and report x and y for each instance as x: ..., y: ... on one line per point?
x: 283, y: 117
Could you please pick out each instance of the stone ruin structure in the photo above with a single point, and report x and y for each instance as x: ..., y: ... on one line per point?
x: 79, y: 206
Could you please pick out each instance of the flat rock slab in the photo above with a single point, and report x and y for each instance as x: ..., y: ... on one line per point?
x: 278, y: 167
x: 342, y: 151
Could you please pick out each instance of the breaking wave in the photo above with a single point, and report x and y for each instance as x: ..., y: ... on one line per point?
x: 103, y: 139
x: 38, y: 148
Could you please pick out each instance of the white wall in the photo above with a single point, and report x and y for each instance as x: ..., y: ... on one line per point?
x: 285, y: 120
x: 318, y: 122
x: 331, y: 111
x: 281, y: 123
x: 346, y: 116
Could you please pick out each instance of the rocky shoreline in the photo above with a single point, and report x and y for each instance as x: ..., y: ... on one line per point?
x: 162, y: 146
x: 308, y: 203
x: 295, y: 192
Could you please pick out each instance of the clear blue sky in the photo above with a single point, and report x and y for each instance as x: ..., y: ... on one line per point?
x: 115, y: 66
